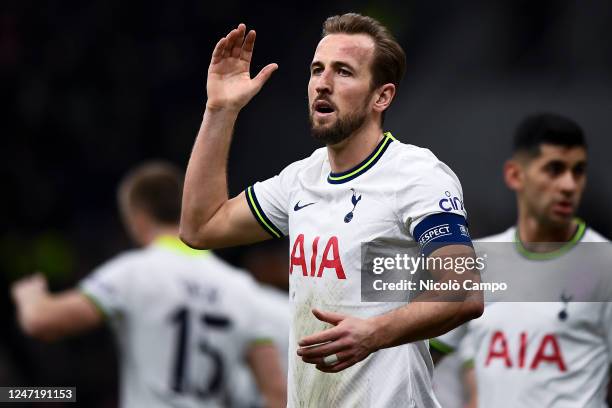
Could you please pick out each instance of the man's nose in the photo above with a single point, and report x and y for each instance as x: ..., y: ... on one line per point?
x: 568, y: 183
x: 324, y: 82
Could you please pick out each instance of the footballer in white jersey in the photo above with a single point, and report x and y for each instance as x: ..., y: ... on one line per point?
x: 184, y: 320
x: 327, y: 216
x: 275, y: 303
x: 556, y: 352
x: 364, y: 186
x: 540, y: 354
x: 447, y: 381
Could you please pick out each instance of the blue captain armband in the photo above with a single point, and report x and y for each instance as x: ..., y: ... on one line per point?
x: 439, y: 230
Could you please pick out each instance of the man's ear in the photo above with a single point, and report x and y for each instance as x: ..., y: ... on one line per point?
x: 140, y: 226
x: 139, y: 218
x: 384, y: 95
x: 514, y: 175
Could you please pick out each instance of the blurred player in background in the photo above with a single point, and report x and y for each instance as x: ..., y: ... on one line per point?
x: 268, y: 265
x: 453, y: 377
x: 183, y: 319
x: 546, y: 354
x: 363, y: 186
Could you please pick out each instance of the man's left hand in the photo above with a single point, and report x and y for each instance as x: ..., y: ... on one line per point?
x: 332, y: 350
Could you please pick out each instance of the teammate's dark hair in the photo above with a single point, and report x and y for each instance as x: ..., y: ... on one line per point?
x: 547, y: 128
x: 389, y: 62
x: 156, y: 188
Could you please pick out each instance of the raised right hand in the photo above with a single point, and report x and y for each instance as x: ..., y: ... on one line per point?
x: 229, y: 84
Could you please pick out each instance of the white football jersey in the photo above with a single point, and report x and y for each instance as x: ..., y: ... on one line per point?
x: 447, y: 381
x: 183, y: 320
x: 540, y: 354
x: 244, y: 391
x: 327, y: 216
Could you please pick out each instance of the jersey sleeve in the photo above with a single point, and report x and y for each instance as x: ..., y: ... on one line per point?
x: 107, y: 287
x: 269, y: 201
x: 426, y: 186
x: 467, y: 348
x: 450, y: 341
x: 264, y: 327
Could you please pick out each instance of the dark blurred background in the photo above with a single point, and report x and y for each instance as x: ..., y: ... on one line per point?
x: 92, y: 88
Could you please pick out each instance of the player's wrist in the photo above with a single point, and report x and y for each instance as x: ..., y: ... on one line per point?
x: 221, y: 108
x: 377, y: 328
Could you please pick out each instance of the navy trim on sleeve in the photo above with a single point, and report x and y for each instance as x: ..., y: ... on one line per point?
x: 441, y: 229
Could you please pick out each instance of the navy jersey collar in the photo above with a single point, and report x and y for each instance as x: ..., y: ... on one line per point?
x: 365, y: 165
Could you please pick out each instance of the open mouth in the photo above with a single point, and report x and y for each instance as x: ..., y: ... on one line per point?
x: 323, y: 107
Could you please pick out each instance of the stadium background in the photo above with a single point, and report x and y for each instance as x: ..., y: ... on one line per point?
x: 92, y: 88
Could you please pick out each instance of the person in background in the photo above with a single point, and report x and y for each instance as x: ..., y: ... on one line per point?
x: 541, y: 354
x: 183, y: 319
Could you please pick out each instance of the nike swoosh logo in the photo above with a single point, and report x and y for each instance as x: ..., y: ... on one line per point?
x: 299, y: 207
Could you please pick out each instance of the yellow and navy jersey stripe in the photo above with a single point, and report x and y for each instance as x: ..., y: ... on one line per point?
x: 260, y: 215
x: 365, y: 165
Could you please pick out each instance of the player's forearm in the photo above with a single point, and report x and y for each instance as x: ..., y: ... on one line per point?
x: 434, y: 313
x: 422, y: 320
x: 205, y: 189
x: 264, y: 361
x: 276, y: 396
x: 51, y: 317
x: 470, y: 387
x: 32, y: 315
